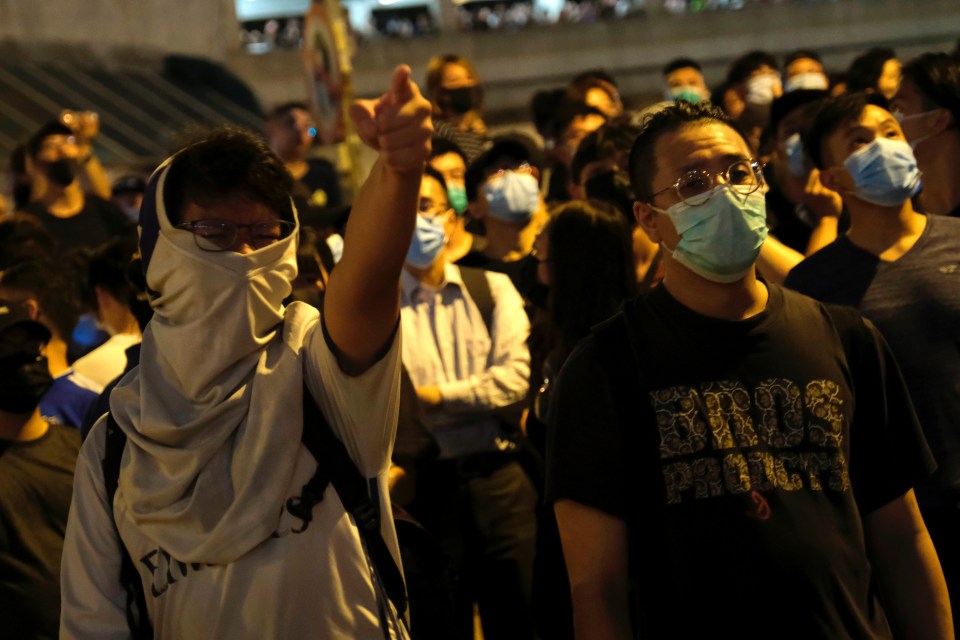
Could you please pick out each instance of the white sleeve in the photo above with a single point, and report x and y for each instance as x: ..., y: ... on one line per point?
x: 93, y: 600
x: 362, y: 410
x: 507, y: 376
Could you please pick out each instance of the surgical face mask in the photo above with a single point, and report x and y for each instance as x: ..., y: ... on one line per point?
x: 914, y: 142
x: 762, y: 89
x: 462, y: 99
x: 63, y: 171
x: 428, y: 240
x: 24, y: 378
x: 885, y: 172
x: 689, y: 93
x: 721, y: 238
x: 133, y: 213
x: 793, y: 149
x: 458, y: 198
x: 810, y: 80
x: 512, y: 196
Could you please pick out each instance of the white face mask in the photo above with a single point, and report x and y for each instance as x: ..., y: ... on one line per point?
x: 810, y: 80
x: 763, y: 89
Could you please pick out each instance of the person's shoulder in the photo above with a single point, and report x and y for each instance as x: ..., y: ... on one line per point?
x: 811, y: 269
x: 944, y: 225
x: 299, y: 320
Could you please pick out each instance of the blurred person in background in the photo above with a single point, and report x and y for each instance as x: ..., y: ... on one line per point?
x: 55, y: 157
x: 51, y: 294
x: 449, y: 159
x: 683, y: 80
x: 803, y: 69
x: 454, y: 90
x: 755, y: 79
x: 572, y: 121
x: 598, y: 89
x: 928, y: 107
x: 37, y: 459
x: 128, y: 194
x: 875, y: 71
x: 464, y: 345
x: 585, y: 263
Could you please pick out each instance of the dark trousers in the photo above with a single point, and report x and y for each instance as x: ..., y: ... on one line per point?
x: 483, y: 515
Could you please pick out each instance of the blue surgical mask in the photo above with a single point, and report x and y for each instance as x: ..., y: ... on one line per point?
x: 810, y: 80
x: 688, y: 93
x: 885, y: 172
x: 793, y: 149
x: 512, y: 196
x: 428, y: 240
x: 721, y: 238
x: 458, y: 198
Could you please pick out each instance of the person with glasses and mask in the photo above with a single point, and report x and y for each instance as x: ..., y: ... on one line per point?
x: 728, y: 457
x: 216, y: 504
x: 901, y: 269
x: 464, y: 345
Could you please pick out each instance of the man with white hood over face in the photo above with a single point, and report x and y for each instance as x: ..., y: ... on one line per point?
x: 213, y: 416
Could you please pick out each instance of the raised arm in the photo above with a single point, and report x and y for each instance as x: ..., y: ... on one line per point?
x: 362, y: 303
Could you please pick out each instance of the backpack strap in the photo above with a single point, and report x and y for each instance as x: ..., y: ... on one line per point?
x: 138, y: 620
x: 335, y: 465
x: 477, y: 285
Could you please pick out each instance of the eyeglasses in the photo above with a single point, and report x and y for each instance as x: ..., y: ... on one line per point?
x: 221, y: 235
x: 691, y: 186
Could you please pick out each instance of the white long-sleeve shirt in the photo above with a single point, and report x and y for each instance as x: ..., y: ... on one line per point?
x: 446, y: 344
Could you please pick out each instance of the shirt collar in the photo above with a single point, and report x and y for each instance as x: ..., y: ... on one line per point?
x: 409, y: 284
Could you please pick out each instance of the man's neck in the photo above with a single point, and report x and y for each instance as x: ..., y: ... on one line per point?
x: 886, y: 232
x: 56, y: 353
x: 61, y: 202
x: 297, y: 167
x: 433, y: 275
x: 726, y: 301
x: 20, y: 428
x: 509, y: 242
x: 940, y: 157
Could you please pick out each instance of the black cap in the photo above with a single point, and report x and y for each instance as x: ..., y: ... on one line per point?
x: 129, y: 183
x: 515, y: 146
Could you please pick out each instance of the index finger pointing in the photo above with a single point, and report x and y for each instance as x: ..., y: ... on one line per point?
x: 401, y: 87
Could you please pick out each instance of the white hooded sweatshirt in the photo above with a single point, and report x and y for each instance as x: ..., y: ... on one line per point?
x: 213, y: 419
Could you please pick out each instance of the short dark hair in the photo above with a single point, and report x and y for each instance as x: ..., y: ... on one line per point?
x: 443, y: 146
x: 23, y: 237
x: 51, y: 128
x: 801, y: 54
x: 543, y: 106
x: 568, y: 111
x: 53, y: 285
x: 936, y: 76
x: 281, y: 110
x: 436, y: 175
x: 673, y: 118
x: 832, y: 114
x: 612, y: 139
x: 789, y: 102
x: 680, y: 63
x: 227, y: 163
x: 590, y: 79
x: 745, y: 65
x: 865, y: 70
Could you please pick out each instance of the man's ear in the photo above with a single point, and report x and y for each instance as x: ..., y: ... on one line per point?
x: 32, y: 308
x: 943, y: 121
x: 829, y: 180
x: 647, y: 220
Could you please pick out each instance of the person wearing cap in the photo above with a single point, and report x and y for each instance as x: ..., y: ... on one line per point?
x: 210, y: 504
x: 469, y: 362
x: 128, y: 194
x: 55, y: 157
x: 901, y: 269
x: 503, y: 191
x: 37, y: 458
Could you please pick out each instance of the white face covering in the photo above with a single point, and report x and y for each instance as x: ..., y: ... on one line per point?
x: 203, y: 416
x: 762, y: 89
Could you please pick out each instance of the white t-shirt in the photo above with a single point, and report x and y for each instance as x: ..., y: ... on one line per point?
x: 303, y: 582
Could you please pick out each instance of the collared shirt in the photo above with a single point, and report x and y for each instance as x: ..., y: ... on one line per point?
x: 446, y: 344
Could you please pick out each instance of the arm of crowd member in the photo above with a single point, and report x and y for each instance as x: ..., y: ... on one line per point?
x: 94, y: 176
x: 363, y: 295
x: 776, y: 260
x: 85, y: 126
x: 93, y: 600
x: 595, y: 551
x: 911, y: 583
x: 506, y: 379
x: 826, y: 205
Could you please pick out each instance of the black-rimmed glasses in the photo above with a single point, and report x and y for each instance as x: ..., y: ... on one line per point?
x: 693, y: 185
x: 221, y: 235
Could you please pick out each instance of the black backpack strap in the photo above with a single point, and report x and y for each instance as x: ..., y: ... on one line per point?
x: 138, y: 619
x: 477, y: 285
x: 335, y: 465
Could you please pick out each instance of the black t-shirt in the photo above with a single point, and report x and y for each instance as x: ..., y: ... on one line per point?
x: 915, y: 302
x: 98, y: 221
x: 36, y: 485
x: 735, y: 463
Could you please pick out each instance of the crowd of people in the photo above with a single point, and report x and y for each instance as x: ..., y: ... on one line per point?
x: 686, y: 370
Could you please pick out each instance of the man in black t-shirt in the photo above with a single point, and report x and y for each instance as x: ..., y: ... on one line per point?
x: 899, y: 268
x: 37, y: 459
x: 741, y: 455
x: 73, y: 218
